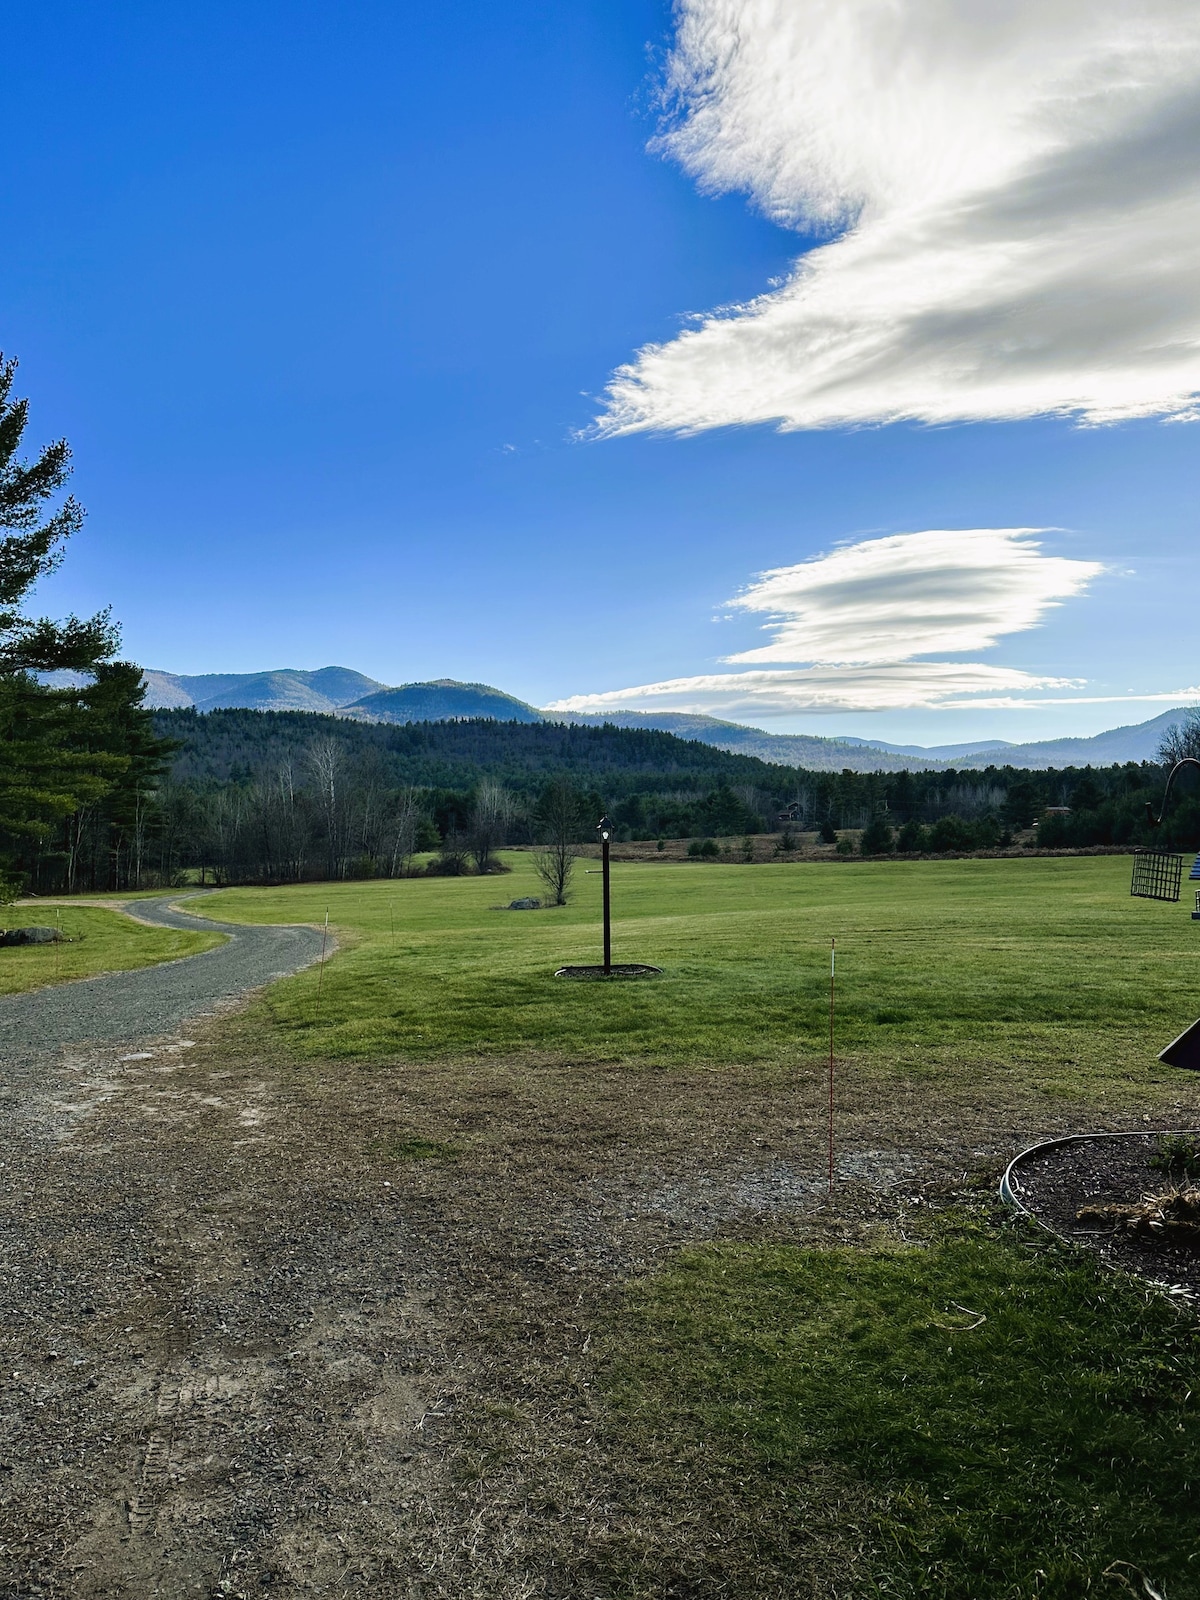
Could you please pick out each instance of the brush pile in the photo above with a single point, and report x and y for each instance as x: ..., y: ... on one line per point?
x: 1172, y: 1214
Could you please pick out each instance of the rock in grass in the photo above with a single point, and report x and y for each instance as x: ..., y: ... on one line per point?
x: 525, y: 905
x: 30, y: 936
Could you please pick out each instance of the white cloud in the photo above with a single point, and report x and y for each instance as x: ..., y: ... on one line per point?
x: 858, y: 616
x: 911, y: 594
x: 775, y: 691
x: 1016, y: 197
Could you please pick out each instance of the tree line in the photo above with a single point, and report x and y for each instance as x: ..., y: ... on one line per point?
x: 335, y: 807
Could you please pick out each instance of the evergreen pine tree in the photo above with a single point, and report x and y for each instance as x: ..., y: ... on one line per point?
x: 62, y: 749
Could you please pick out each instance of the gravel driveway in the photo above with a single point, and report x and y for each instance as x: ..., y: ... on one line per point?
x: 129, y: 1007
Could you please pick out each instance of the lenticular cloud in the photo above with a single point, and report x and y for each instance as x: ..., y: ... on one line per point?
x: 1010, y: 198
x: 857, y: 617
x: 910, y: 594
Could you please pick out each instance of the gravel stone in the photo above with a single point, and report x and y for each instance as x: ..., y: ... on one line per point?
x: 122, y: 1007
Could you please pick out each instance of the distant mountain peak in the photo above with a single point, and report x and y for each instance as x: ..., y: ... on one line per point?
x: 283, y: 689
x: 343, y: 692
x: 441, y: 700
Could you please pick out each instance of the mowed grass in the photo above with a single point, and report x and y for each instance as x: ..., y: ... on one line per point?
x: 99, y: 941
x: 1047, y: 965
x: 1016, y: 1421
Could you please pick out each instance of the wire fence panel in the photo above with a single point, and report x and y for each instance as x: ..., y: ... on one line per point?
x: 1156, y: 875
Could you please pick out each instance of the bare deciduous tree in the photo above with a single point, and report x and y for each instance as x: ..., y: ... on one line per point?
x: 405, y: 820
x: 454, y: 854
x: 293, y: 822
x: 327, y: 762
x: 490, y: 820
x: 559, y: 820
x: 226, y: 821
x: 1182, y: 739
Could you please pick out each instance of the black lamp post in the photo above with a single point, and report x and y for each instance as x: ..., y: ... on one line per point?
x: 604, y: 829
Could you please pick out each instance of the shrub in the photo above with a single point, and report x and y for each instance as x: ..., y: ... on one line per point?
x: 706, y: 848
x: 828, y: 833
x: 951, y: 833
x: 912, y: 837
x: 877, y: 837
x: 449, y: 864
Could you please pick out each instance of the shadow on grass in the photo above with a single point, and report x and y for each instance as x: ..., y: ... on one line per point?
x: 1017, y: 1420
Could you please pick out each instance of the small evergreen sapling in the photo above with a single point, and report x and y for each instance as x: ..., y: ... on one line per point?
x: 877, y: 837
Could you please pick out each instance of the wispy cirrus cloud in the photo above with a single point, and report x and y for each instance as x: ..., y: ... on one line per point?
x: 1011, y: 199
x: 853, y: 621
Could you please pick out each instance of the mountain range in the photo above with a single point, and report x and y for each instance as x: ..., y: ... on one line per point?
x: 328, y: 689
x: 343, y: 692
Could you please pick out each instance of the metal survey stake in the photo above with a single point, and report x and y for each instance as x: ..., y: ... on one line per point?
x: 321, y: 970
x: 832, y: 977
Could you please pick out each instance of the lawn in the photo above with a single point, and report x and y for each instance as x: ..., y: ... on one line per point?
x: 678, y: 1368
x: 100, y: 940
x: 1016, y: 1421
x: 1047, y: 965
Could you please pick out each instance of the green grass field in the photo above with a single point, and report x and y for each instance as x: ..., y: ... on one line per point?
x: 1046, y: 964
x: 100, y: 941
x: 1017, y: 1421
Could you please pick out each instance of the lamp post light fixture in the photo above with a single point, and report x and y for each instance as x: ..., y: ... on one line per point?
x: 604, y: 829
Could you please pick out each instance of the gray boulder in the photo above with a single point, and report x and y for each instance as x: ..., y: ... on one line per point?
x: 30, y: 936
x: 525, y: 905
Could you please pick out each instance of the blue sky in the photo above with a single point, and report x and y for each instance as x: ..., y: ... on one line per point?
x: 327, y: 300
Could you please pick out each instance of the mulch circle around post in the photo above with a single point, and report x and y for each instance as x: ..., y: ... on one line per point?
x: 1091, y: 1172
x: 632, y: 969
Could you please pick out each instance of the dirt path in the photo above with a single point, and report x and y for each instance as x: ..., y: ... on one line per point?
x: 281, y: 1330
x: 151, y: 1001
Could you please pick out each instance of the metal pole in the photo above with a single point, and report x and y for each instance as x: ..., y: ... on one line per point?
x: 832, y: 972
x: 321, y: 968
x: 607, y: 922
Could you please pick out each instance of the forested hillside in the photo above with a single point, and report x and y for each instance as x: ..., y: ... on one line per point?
x: 268, y: 796
x: 236, y: 745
